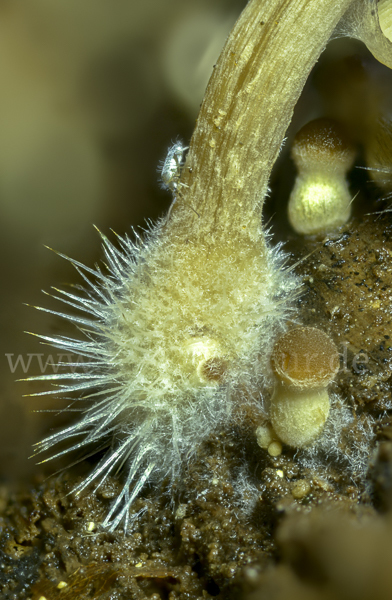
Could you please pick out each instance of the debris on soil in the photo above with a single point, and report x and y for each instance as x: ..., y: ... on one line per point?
x: 303, y: 523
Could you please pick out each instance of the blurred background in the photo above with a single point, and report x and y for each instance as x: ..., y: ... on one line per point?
x: 92, y: 93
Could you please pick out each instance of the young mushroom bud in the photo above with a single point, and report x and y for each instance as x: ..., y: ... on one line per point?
x: 204, y: 360
x: 268, y: 440
x: 304, y: 361
x: 320, y: 200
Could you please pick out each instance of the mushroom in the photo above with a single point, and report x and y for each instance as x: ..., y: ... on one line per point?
x: 304, y: 361
x: 320, y: 200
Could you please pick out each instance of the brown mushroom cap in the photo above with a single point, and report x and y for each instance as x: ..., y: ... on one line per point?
x: 305, y: 357
x: 322, y: 142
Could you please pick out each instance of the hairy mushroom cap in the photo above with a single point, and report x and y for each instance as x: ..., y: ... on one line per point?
x: 323, y: 145
x: 305, y: 357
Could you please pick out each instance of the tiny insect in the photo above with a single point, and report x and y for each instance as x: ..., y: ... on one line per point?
x: 170, y: 169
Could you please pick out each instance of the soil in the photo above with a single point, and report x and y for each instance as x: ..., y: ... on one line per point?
x: 242, y: 524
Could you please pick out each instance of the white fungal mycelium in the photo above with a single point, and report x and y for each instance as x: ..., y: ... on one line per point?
x: 162, y: 361
x: 179, y: 326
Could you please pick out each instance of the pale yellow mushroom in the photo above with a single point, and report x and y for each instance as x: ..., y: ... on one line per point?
x: 304, y: 360
x: 320, y: 200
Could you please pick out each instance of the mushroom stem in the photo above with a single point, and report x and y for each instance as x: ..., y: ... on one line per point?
x: 367, y: 21
x: 246, y: 110
x: 298, y: 415
x: 385, y: 17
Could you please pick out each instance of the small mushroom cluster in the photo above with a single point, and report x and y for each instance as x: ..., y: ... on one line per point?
x: 304, y: 361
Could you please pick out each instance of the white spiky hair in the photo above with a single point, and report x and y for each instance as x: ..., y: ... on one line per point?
x: 147, y: 326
